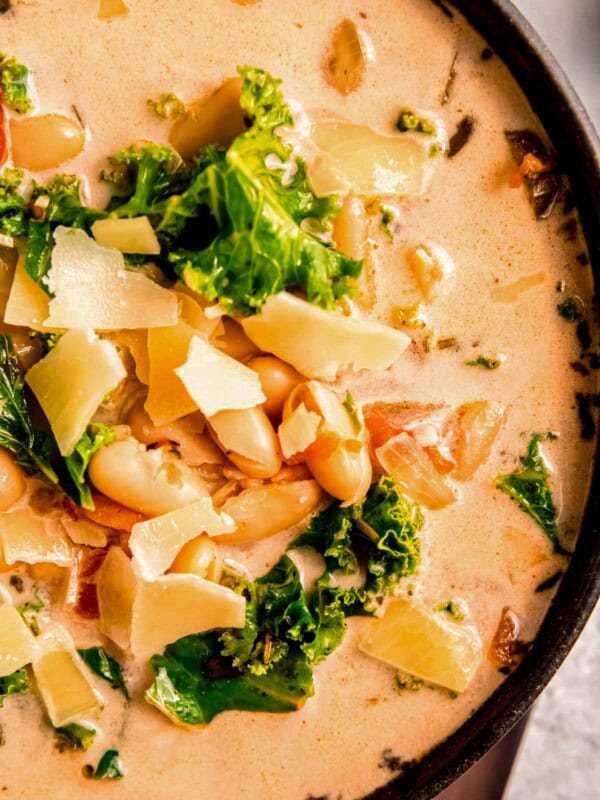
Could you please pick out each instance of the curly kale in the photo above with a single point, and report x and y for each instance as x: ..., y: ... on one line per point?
x: 529, y: 487
x: 13, y: 85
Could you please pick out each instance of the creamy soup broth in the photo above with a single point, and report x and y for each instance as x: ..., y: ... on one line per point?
x: 482, y: 551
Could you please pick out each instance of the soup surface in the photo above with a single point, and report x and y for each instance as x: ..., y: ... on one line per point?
x: 511, y: 271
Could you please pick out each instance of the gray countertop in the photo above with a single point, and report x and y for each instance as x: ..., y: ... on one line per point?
x: 560, y: 756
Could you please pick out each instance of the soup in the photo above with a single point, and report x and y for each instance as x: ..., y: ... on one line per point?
x: 465, y: 399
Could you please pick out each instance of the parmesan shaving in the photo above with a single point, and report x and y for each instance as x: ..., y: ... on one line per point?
x: 320, y: 343
x: 27, y: 303
x: 71, y: 382
x: 156, y: 542
x: 298, y: 431
x: 66, y: 691
x: 135, y: 235
x: 34, y: 539
x: 93, y: 289
x: 177, y: 605
x: 115, y: 587
x: 17, y: 644
x: 216, y: 382
x: 168, y: 398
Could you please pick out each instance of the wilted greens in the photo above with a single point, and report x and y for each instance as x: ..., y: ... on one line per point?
x: 13, y: 85
x: 237, y: 225
x: 15, y: 683
x: 98, y: 660
x: 95, y: 438
x: 529, y: 487
x: 267, y: 664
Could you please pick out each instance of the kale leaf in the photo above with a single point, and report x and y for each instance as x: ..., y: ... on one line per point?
x: 13, y: 85
x: 109, y: 767
x: 267, y: 664
x: 59, y: 203
x: 383, y: 529
x: 529, y: 487
x: 98, y: 660
x: 30, y: 448
x: 192, y: 686
x: 261, y: 200
x: 13, y: 206
x: 74, y: 737
x: 15, y: 683
x: 95, y: 437
x: 487, y: 362
x: 264, y: 666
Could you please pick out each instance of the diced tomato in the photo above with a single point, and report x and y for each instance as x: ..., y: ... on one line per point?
x: 531, y: 166
x: 90, y: 561
x: 442, y: 464
x: 106, y: 512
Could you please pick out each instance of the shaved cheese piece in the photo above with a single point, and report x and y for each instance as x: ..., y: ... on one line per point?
x: 84, y: 531
x: 115, y: 587
x: 320, y: 343
x: 193, y: 314
x: 93, y: 289
x: 66, y: 691
x: 17, y: 644
x: 298, y: 431
x: 168, y: 398
x: 135, y: 235
x: 177, y: 605
x: 218, y: 382
x: 34, y: 539
x: 27, y: 303
x: 156, y: 542
x: 71, y: 382
x: 137, y: 344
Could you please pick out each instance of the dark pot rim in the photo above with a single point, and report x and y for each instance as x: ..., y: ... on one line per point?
x: 563, y: 116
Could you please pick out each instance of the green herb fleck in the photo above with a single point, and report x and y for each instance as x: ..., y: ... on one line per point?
x: 167, y: 106
x: 529, y: 487
x: 434, y: 150
x: 29, y: 612
x: 407, y: 683
x: 109, y: 767
x: 410, y: 121
x: 487, y: 362
x: 98, y: 660
x: 569, y: 310
x: 354, y: 410
x: 13, y: 82
x: 74, y: 737
x: 15, y: 683
x: 386, y: 221
x: 94, y: 439
x: 452, y: 610
x: 409, y: 316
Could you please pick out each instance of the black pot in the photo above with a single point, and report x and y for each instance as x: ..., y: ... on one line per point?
x: 555, y: 102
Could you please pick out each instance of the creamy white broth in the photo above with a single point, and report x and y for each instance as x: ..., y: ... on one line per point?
x: 482, y: 551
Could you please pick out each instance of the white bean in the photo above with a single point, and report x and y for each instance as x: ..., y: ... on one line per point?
x: 152, y: 482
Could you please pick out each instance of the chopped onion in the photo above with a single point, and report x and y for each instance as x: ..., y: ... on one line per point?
x: 414, y: 472
x: 473, y: 429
